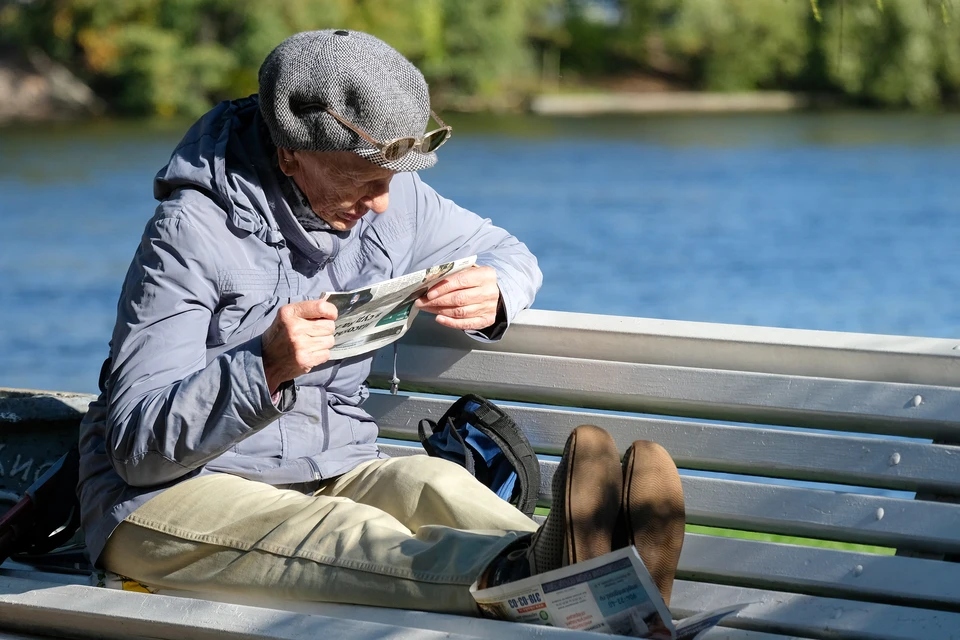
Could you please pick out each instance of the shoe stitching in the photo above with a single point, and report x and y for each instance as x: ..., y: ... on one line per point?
x: 571, y: 555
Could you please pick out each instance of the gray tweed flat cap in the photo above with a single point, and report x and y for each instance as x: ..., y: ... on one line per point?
x: 362, y: 78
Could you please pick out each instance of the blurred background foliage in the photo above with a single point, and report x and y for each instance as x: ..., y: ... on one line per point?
x: 178, y: 57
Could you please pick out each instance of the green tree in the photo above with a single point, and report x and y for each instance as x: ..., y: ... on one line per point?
x: 901, y: 55
x: 171, y: 57
x: 735, y: 45
x: 478, y: 53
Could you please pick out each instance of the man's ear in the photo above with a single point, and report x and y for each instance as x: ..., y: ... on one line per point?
x: 288, y: 161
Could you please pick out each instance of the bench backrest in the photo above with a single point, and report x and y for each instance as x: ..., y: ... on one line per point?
x: 781, y: 409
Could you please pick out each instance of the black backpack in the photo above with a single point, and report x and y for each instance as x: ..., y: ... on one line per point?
x: 48, y: 514
x: 480, y: 436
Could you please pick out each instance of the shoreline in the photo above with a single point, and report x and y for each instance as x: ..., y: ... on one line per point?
x: 596, y: 103
x: 34, y: 88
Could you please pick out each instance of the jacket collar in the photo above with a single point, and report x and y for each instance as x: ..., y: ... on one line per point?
x: 319, y: 246
x: 287, y: 202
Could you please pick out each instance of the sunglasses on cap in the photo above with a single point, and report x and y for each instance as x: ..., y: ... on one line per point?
x: 396, y: 149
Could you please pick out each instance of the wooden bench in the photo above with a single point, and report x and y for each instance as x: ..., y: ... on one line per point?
x: 797, y: 433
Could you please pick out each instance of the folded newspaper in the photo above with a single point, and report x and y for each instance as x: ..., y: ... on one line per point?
x: 374, y: 316
x: 613, y: 593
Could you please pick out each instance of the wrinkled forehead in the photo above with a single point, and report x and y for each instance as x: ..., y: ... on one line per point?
x: 348, y: 165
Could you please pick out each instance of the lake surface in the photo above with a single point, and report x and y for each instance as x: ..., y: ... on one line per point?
x: 839, y: 221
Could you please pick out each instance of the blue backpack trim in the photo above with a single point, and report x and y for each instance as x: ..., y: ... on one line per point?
x: 482, y: 438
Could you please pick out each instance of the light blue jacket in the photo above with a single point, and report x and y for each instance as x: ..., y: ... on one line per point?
x: 184, y: 392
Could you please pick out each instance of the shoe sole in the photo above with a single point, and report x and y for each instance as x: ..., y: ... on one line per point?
x: 594, y: 486
x: 654, y: 511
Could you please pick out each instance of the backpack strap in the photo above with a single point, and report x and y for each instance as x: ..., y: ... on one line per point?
x: 468, y: 462
x: 501, y: 428
x: 424, y: 438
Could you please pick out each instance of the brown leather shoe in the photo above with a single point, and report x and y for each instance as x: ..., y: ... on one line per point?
x: 652, y: 515
x: 586, y: 500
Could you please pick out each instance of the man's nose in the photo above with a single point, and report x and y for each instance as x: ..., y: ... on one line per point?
x: 377, y: 203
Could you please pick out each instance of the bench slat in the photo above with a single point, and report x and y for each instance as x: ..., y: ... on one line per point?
x: 475, y: 627
x: 710, y: 345
x: 70, y: 611
x: 796, y: 511
x: 841, y: 405
x: 22, y: 636
x: 724, y: 633
x: 822, y: 572
x: 717, y: 447
x: 812, y: 513
x: 813, y: 616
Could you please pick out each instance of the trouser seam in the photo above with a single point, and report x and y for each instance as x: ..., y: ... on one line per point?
x: 288, y: 552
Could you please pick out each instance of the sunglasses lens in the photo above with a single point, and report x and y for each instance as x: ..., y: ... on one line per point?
x: 435, y: 139
x: 398, y: 148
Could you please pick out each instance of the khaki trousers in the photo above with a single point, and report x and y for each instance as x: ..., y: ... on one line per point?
x: 411, y: 533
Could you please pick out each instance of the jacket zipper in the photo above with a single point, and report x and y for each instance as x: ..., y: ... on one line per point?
x: 324, y: 416
x: 317, y: 476
x: 328, y: 261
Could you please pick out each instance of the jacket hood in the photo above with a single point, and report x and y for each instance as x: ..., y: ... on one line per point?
x: 225, y: 155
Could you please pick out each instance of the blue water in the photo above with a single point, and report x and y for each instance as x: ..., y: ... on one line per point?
x: 845, y: 222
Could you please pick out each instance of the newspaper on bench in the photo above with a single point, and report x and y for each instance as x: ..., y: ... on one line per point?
x: 374, y: 316
x: 613, y: 593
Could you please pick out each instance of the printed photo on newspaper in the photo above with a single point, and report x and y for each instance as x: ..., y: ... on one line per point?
x: 613, y: 593
x: 374, y: 316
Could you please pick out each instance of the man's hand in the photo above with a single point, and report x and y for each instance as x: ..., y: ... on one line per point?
x: 299, y: 339
x: 465, y: 300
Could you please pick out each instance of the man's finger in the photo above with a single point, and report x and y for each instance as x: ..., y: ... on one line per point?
x: 322, y: 351
x: 321, y: 328
x: 469, y: 311
x: 312, y: 310
x: 472, y: 277
x: 459, y: 298
x: 467, y: 324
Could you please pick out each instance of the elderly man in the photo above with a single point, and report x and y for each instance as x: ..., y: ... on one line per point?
x: 228, y: 452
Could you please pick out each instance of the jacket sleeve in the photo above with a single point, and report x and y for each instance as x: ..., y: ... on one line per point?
x: 446, y: 231
x: 170, y: 411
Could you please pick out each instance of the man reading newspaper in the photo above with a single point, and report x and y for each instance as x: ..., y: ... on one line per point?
x: 229, y: 451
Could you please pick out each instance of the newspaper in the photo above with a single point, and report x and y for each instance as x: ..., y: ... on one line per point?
x: 374, y: 316
x: 613, y: 593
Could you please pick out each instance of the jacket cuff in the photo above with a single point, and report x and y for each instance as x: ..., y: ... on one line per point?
x: 273, y: 405
x: 495, y: 331
x: 285, y: 397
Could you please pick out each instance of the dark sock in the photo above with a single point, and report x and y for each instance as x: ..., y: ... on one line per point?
x: 511, y: 565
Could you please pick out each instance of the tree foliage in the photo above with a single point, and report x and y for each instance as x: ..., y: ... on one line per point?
x: 906, y: 54
x: 180, y: 56
x: 736, y: 45
x: 882, y: 52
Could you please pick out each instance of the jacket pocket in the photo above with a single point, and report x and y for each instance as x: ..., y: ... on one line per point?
x: 249, y: 300
x: 237, y: 323
x: 304, y: 427
x: 266, y: 443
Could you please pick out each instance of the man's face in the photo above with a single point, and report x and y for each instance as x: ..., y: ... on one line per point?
x: 341, y: 186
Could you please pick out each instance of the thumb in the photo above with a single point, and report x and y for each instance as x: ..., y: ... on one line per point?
x: 315, y: 310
